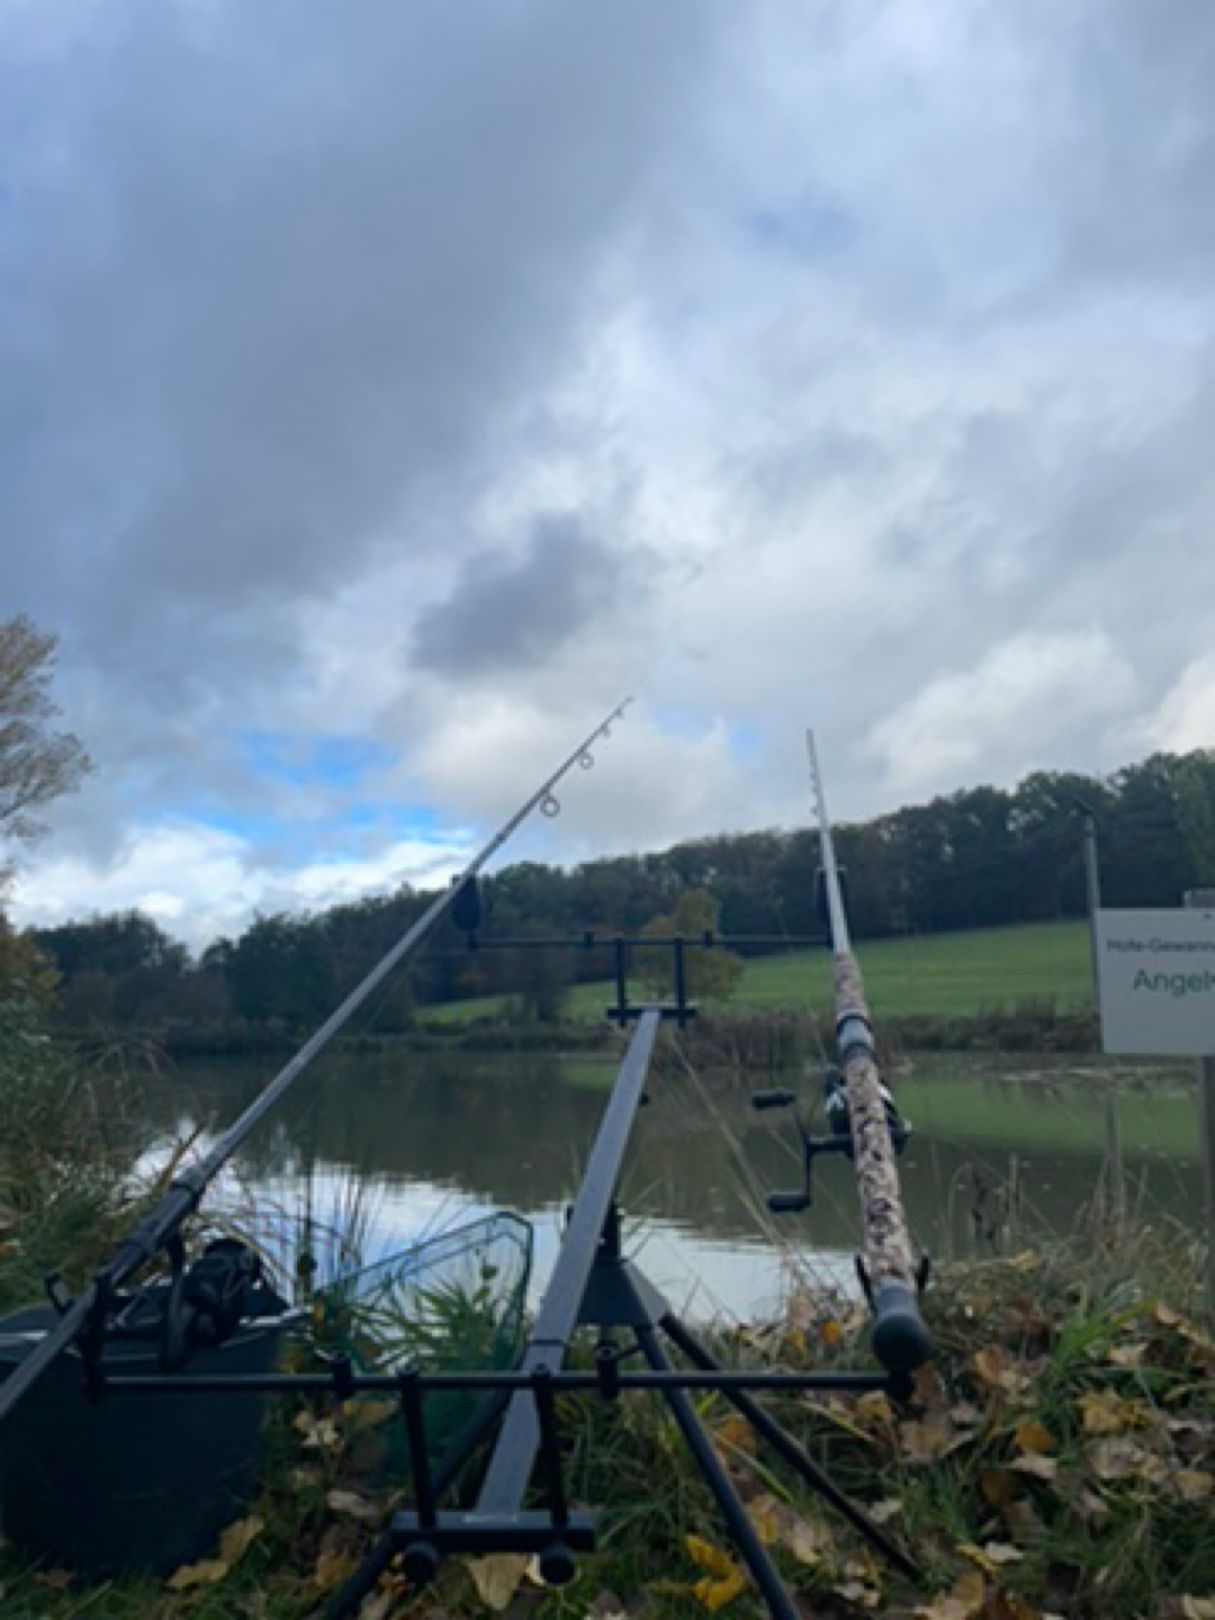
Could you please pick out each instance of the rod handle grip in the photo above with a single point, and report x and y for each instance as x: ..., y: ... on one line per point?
x: 901, y: 1340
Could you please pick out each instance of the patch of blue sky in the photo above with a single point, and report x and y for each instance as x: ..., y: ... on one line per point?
x: 331, y: 761
x: 690, y: 725
x: 745, y: 741
x: 340, y: 831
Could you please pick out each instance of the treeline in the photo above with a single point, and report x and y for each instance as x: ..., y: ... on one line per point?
x: 977, y: 858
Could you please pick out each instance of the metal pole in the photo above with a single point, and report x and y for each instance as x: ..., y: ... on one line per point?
x: 514, y: 1456
x: 713, y: 1472
x: 1204, y: 899
x: 794, y: 1454
x: 188, y: 1188
x: 1115, y: 1173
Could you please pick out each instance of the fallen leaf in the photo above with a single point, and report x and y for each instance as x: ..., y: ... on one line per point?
x: 830, y: 1333
x: 1037, y: 1466
x: 991, y: 1558
x: 353, y: 1506
x: 1128, y: 1355
x: 885, y: 1510
x: 1000, y: 1553
x: 962, y: 1602
x: 497, y: 1577
x: 234, y: 1543
x: 1120, y: 1458
x: 874, y: 1409
x: 933, y: 1438
x: 977, y: 1556
x: 1105, y: 1412
x: 990, y: 1364
x: 1007, y: 1606
x: 607, y: 1606
x: 807, y: 1541
x: 994, y: 1369
x: 765, y: 1514
x: 333, y: 1566
x: 383, y: 1602
x: 1033, y: 1437
x: 205, y: 1573
x: 724, y: 1580
x: 1193, y: 1484
x: 1093, y: 1509
x: 858, y: 1594
x: 320, y: 1434
x: 736, y: 1434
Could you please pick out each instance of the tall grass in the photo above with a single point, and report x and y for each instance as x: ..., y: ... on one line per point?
x: 68, y: 1149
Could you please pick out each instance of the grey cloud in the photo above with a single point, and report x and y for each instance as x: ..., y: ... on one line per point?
x: 505, y: 614
x: 277, y: 279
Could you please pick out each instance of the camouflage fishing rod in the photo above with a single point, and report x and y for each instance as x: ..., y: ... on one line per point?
x: 84, y: 1318
x: 888, y: 1267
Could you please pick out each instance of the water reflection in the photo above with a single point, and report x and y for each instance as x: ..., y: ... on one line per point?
x: 447, y: 1135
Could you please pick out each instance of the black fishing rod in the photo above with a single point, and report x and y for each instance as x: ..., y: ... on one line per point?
x: 160, y: 1229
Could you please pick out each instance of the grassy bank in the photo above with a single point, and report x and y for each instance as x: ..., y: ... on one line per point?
x: 930, y: 976
x: 1058, y: 1459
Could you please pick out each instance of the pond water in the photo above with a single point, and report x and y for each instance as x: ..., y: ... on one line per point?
x: 434, y: 1139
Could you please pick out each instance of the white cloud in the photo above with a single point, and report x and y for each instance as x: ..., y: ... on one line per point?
x: 1185, y: 717
x: 1012, y: 707
x: 199, y: 882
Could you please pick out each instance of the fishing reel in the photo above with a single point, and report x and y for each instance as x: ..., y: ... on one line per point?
x: 839, y: 1121
x: 206, y: 1301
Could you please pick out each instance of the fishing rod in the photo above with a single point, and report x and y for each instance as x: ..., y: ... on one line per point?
x: 888, y: 1268
x: 84, y: 1317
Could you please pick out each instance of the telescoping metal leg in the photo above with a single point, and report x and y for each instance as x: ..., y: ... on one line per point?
x: 742, y: 1531
x: 348, y: 1599
x: 787, y: 1447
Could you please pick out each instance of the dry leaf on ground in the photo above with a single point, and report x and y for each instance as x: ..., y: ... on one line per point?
x: 1037, y: 1466
x: 964, y: 1601
x: 234, y: 1543
x: 496, y: 1577
x: 1033, y: 1437
x: 1104, y: 1411
x: 724, y: 1580
x: 1194, y: 1485
x: 353, y: 1506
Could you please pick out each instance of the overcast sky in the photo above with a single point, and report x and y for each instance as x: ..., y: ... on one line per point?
x: 386, y: 390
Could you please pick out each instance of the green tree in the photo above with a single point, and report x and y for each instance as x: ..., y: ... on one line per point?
x: 712, y: 974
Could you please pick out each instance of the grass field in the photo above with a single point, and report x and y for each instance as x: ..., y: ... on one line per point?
x: 934, y: 974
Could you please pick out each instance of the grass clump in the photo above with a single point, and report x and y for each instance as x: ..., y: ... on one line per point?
x: 67, y: 1143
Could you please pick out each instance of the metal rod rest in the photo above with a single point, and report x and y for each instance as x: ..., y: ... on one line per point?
x: 565, y: 1382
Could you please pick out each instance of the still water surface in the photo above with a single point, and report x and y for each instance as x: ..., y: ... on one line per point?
x: 441, y: 1138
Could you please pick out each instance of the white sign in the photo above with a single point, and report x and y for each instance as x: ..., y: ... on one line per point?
x: 1156, y: 976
